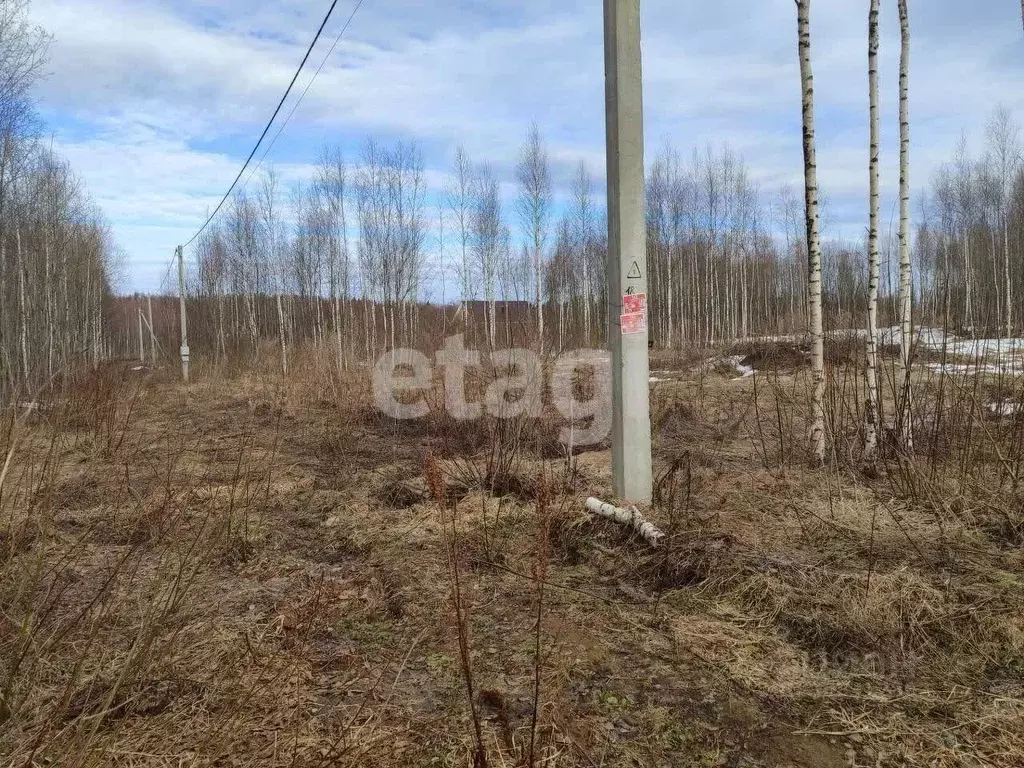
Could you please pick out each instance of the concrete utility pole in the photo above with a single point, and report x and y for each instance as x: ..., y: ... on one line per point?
x: 184, y: 319
x: 627, y: 252
x: 142, y: 339
x: 152, y: 333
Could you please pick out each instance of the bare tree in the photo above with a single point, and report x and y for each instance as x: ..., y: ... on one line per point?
x: 267, y: 199
x: 243, y: 232
x: 905, y: 397
x: 1004, y: 150
x: 871, y: 410
x: 390, y: 193
x: 813, y: 244
x: 331, y: 183
x: 459, y: 199
x: 57, y: 259
x: 534, y: 207
x: 964, y: 185
x: 487, y: 232
x: 23, y: 48
x: 583, y: 233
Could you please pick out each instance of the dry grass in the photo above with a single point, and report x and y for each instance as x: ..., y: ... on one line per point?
x: 263, y: 572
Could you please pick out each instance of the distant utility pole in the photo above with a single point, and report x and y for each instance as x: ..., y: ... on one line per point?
x: 184, y: 319
x: 152, y: 333
x: 142, y: 339
x: 627, y: 252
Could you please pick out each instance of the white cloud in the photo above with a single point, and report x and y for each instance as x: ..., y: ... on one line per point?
x: 171, y: 93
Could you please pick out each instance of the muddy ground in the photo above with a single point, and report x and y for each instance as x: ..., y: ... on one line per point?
x: 257, y: 572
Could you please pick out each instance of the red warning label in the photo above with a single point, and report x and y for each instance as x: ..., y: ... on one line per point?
x: 632, y: 304
x: 633, y: 323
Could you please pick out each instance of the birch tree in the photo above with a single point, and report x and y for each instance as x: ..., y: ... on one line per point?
x: 534, y: 206
x: 243, y: 228
x: 267, y: 201
x: 332, y: 181
x: 1004, y: 157
x: 390, y: 195
x: 871, y: 371
x: 583, y: 229
x: 964, y: 180
x: 57, y: 258
x: 905, y: 397
x: 459, y: 196
x: 486, y: 230
x: 817, y: 337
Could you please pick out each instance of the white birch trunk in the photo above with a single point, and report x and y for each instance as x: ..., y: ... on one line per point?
x: 221, y: 334
x: 816, y: 332
x: 906, y: 268
x: 22, y: 309
x: 339, y: 343
x: 250, y: 304
x: 871, y: 371
x: 48, y: 288
x: 68, y: 343
x: 968, y: 279
x: 318, y: 329
x: 540, y: 294
x: 586, y: 297
x: 629, y: 517
x: 1008, y: 278
x: 281, y: 334
x: 668, y: 293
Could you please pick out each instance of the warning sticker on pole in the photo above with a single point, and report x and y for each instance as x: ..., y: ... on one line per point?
x: 634, y: 303
x: 633, y: 323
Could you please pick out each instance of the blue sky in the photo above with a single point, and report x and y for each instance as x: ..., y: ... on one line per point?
x: 157, y: 102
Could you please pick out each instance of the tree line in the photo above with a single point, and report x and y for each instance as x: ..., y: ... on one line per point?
x: 56, y: 253
x: 372, y: 252
x: 365, y: 246
x: 971, y: 235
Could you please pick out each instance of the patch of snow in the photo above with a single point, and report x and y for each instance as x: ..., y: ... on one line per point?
x: 892, y: 336
x: 1005, y: 408
x: 795, y: 338
x: 746, y: 371
x: 733, y: 361
x: 951, y: 368
x: 992, y: 356
x: 665, y: 375
x: 932, y: 338
x: 969, y: 369
x: 970, y: 356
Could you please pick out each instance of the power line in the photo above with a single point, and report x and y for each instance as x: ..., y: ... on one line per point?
x: 269, y: 123
x: 305, y: 90
x: 167, y: 272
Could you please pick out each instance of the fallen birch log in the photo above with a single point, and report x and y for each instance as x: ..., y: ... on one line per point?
x: 630, y: 517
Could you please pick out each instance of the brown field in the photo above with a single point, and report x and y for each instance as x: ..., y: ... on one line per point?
x: 253, y: 571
